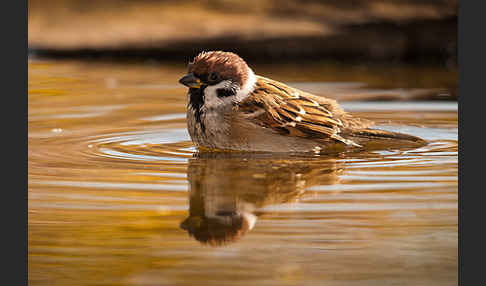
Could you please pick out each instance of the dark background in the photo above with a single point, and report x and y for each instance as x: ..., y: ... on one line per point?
x: 391, y: 31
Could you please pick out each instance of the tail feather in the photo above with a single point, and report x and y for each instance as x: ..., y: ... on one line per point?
x: 368, y: 136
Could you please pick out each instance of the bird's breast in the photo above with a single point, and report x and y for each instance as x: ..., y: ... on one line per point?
x: 209, y: 128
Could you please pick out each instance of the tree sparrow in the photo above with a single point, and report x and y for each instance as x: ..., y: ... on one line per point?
x: 231, y: 108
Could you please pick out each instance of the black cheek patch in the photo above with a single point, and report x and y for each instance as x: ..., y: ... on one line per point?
x: 225, y: 92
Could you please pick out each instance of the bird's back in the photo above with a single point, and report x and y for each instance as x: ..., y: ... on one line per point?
x: 305, y: 122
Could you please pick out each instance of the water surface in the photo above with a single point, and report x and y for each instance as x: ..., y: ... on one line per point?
x: 118, y: 195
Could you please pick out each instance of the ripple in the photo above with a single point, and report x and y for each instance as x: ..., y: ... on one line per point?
x: 166, y: 117
x: 110, y: 185
x: 169, y: 145
x: 119, y: 195
x: 161, y: 159
x: 402, y: 106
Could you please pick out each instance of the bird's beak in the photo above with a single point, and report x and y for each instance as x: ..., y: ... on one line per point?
x: 191, y: 81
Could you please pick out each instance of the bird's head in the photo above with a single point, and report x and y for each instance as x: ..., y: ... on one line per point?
x: 219, y: 77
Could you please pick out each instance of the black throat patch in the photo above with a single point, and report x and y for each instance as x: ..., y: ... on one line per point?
x: 196, y: 100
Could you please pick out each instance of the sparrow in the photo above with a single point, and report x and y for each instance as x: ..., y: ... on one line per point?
x: 231, y: 108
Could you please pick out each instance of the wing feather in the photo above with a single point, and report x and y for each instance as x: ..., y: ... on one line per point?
x: 293, y: 112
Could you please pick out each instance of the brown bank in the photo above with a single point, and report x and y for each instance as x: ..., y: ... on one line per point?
x: 395, y: 30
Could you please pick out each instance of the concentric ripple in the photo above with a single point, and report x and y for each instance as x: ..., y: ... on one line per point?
x: 118, y: 195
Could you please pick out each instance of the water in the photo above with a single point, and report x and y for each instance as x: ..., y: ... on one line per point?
x: 119, y: 196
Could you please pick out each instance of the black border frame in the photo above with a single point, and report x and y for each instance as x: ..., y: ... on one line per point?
x: 14, y: 25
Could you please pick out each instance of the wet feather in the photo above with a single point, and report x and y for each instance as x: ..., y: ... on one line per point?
x: 290, y: 111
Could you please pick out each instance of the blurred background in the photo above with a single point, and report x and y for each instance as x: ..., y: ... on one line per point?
x: 419, y: 31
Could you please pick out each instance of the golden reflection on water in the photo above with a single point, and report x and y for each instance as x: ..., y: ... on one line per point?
x: 118, y: 195
x: 227, y: 188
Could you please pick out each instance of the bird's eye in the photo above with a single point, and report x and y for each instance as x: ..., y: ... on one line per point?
x: 213, y: 76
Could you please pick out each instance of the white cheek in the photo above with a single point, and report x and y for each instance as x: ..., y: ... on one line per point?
x: 248, y: 87
x: 211, y: 99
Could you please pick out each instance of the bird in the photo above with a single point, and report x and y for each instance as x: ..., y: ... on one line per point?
x: 230, y: 108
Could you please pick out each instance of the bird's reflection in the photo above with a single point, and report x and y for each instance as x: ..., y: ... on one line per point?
x: 227, y: 188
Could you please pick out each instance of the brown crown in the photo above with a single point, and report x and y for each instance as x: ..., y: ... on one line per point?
x: 227, y: 64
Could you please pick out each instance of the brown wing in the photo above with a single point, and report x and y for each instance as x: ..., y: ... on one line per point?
x: 295, y: 113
